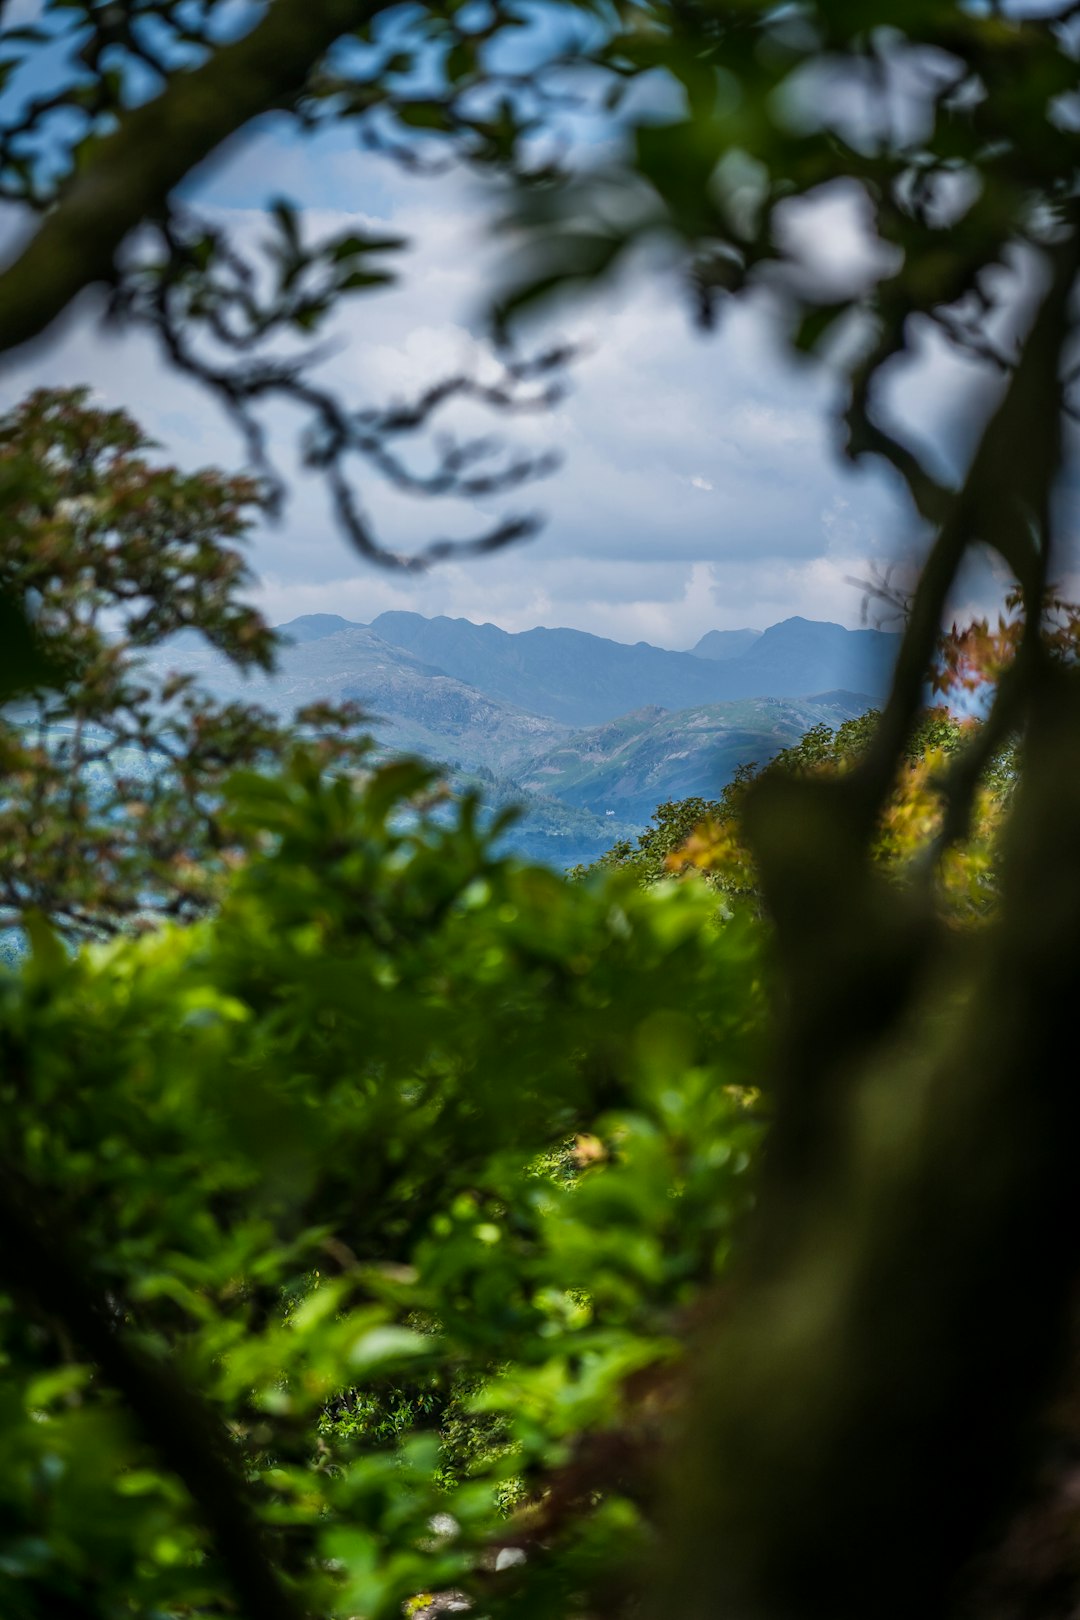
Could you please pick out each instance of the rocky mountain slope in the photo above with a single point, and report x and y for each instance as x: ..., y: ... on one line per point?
x: 635, y: 763
x: 413, y: 706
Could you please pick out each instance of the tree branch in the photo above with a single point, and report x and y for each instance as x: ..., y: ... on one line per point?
x: 850, y: 945
x: 869, y: 1408
x: 156, y: 147
x: 960, y: 782
x: 39, y: 1266
x: 1006, y: 490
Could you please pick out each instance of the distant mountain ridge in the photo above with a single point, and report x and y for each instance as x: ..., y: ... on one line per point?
x: 413, y: 706
x: 724, y: 643
x: 579, y: 679
x: 589, y: 734
x: 567, y: 675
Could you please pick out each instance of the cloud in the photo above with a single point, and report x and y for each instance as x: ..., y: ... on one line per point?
x: 657, y: 416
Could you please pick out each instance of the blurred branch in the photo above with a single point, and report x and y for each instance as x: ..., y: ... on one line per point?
x: 39, y: 1264
x: 464, y: 470
x: 959, y: 784
x: 852, y: 946
x: 871, y: 1404
x: 1004, y: 503
x: 127, y: 176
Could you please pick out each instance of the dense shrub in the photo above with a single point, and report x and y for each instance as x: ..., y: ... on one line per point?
x: 412, y: 1168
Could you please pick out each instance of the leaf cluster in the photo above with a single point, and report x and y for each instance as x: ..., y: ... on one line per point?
x: 707, y: 836
x: 110, y: 813
x: 405, y: 1174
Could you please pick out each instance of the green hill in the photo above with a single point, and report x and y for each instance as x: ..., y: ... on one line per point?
x: 635, y: 763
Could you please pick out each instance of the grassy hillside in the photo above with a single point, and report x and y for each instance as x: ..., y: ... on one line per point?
x: 642, y: 759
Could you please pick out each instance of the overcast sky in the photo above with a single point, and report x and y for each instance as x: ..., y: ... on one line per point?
x: 699, y: 485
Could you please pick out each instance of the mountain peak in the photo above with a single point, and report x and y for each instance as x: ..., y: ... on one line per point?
x: 580, y: 679
x: 811, y: 626
x: 720, y: 644
x: 315, y: 626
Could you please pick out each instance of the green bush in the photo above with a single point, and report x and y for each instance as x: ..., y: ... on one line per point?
x: 410, y: 1168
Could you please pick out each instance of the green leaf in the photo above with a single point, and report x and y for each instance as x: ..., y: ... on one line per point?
x: 24, y: 664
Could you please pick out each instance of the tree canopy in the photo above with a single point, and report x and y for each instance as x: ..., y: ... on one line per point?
x: 111, y: 814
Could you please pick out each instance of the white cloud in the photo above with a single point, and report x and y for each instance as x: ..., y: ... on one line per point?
x: 657, y: 416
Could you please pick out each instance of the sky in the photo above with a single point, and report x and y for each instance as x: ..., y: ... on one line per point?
x: 699, y: 485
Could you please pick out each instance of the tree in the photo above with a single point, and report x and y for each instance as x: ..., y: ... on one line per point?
x: 913, y: 832
x: 111, y: 813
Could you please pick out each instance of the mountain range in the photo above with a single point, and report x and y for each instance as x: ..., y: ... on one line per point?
x: 584, y: 680
x: 632, y: 764
x: 589, y: 734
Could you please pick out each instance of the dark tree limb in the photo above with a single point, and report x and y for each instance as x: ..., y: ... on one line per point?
x: 871, y: 1408
x: 1004, y: 503
x: 156, y: 147
x: 42, y: 1268
x: 959, y: 784
x: 853, y: 948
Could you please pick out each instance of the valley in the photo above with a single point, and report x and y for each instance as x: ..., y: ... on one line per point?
x: 587, y: 735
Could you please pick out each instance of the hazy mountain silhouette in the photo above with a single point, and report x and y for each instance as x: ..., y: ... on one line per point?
x: 808, y: 655
x: 724, y: 643
x: 581, y: 679
x: 316, y: 626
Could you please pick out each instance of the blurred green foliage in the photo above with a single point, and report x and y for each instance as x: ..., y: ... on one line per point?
x: 708, y: 836
x: 414, y: 1164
